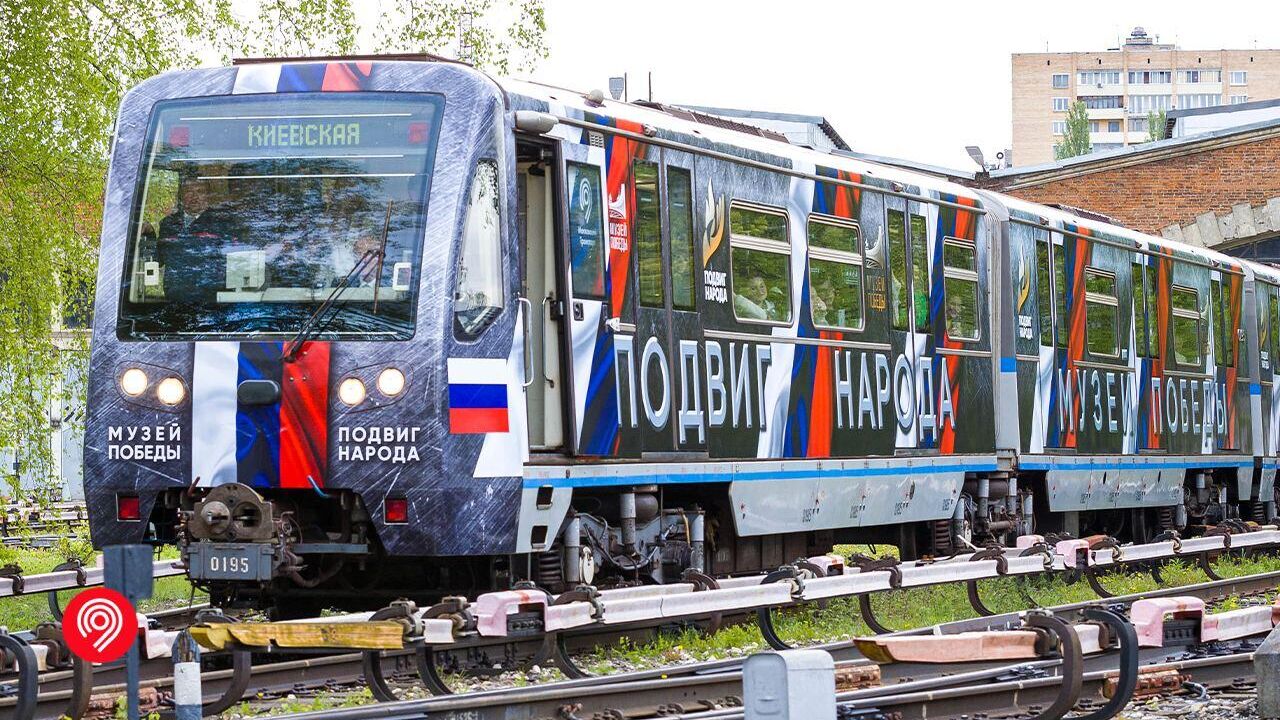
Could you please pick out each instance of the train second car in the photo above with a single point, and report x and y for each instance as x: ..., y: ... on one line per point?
x: 369, y: 329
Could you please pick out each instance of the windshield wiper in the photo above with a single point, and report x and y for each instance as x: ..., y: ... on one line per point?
x: 312, y: 326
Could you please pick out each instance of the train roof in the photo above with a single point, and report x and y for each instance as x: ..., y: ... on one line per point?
x: 561, y: 100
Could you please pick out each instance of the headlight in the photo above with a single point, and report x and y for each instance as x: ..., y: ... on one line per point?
x: 391, y: 382
x: 351, y: 391
x: 133, y: 382
x: 170, y: 391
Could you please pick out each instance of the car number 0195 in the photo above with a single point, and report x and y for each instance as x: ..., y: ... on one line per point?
x: 229, y: 564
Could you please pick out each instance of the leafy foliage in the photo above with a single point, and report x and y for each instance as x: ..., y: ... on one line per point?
x: 1076, y: 140
x: 68, y: 63
x: 1157, y: 125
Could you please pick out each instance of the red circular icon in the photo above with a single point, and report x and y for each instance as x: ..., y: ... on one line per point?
x: 99, y: 625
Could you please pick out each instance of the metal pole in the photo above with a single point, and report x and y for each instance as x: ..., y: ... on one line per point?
x: 131, y: 680
x: 188, y: 700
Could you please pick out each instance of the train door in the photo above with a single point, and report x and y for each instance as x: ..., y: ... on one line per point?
x: 655, y: 366
x: 691, y: 418
x: 901, y: 318
x: 540, y: 296
x: 907, y: 230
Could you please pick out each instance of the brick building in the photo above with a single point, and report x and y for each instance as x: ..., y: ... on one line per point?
x: 1217, y: 189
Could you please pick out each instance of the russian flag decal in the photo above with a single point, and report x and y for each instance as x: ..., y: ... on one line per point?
x: 478, y: 395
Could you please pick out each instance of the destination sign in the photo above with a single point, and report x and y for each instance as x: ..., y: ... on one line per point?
x: 304, y: 134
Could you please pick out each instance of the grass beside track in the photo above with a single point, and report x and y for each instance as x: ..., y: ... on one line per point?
x: 25, y: 612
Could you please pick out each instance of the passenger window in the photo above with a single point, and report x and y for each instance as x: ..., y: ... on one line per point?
x: 835, y: 273
x: 1154, y: 348
x: 680, y: 215
x: 1060, y: 292
x: 898, y: 268
x: 760, y: 257
x: 1219, y: 323
x: 1274, y: 318
x: 586, y: 231
x: 478, y: 299
x: 1186, y: 325
x: 1140, y: 317
x: 920, y: 269
x: 648, y: 233
x: 1101, y: 312
x: 960, y: 289
x: 1044, y: 293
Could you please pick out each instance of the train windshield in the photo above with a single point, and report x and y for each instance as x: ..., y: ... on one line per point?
x: 253, y: 210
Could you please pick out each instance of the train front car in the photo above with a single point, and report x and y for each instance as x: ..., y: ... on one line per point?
x: 268, y: 380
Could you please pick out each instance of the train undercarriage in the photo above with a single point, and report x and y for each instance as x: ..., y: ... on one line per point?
x: 298, y: 552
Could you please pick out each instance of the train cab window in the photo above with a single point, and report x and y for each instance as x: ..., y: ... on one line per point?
x: 478, y: 297
x: 760, y: 256
x: 1154, y: 348
x: 1044, y: 293
x: 1060, y: 293
x: 1140, y: 316
x: 586, y: 231
x: 648, y: 233
x: 1101, y: 310
x: 1219, y: 323
x: 680, y: 215
x: 920, y: 270
x: 960, y: 289
x: 253, y: 210
x: 835, y: 273
x: 1186, y: 325
x: 897, y: 231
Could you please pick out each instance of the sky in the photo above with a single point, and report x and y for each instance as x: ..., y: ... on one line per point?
x: 917, y: 80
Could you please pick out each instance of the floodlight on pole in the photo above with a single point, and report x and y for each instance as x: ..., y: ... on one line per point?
x: 975, y: 154
x: 617, y: 86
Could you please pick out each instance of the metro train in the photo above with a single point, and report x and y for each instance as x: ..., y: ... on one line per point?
x: 371, y: 328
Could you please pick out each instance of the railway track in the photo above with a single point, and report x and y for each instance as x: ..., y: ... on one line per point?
x: 65, y: 690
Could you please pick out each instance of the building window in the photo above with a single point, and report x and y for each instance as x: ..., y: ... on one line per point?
x: 1113, y: 126
x: 1102, y: 102
x: 1138, y: 124
x: 1239, y: 77
x: 1199, y: 100
x: 960, y: 289
x: 1059, y: 127
x: 760, y: 260
x: 1143, y: 104
x: 1095, y: 126
x: 1199, y: 76
x: 1150, y: 77
x: 1186, y: 325
x: 1098, y: 77
x: 835, y: 273
x: 1060, y: 104
x: 1239, y: 99
x: 1061, y: 80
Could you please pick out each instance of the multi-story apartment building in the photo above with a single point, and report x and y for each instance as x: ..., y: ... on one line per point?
x: 1120, y: 86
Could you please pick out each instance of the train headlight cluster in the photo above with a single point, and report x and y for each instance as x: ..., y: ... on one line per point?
x: 171, y: 391
x: 133, y: 382
x: 352, y: 391
x: 391, y: 382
